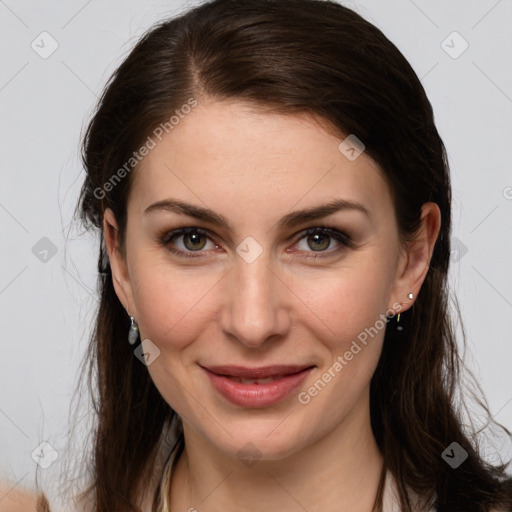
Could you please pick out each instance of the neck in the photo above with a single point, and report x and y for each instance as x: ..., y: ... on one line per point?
x: 340, y: 471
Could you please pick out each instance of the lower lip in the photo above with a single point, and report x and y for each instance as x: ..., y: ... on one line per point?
x: 257, y: 395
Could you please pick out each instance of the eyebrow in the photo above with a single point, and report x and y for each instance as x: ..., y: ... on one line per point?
x: 288, y: 221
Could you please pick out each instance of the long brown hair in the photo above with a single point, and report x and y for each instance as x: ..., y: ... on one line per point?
x: 287, y: 56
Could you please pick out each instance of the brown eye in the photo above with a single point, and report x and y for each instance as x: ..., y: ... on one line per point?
x: 186, y: 241
x: 192, y: 241
x: 189, y: 242
x: 319, y: 241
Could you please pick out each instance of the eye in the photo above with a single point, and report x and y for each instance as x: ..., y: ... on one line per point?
x: 320, y: 238
x: 194, y: 240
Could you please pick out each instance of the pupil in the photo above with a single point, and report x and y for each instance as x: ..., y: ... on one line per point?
x: 320, y: 236
x: 195, y: 240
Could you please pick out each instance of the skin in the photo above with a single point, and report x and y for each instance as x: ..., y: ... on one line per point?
x: 254, y: 167
x: 16, y: 498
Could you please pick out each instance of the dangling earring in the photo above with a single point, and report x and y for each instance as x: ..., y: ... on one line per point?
x: 400, y: 327
x: 133, y: 333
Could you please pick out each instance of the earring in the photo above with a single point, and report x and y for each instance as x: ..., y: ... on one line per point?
x: 133, y: 333
x: 400, y: 327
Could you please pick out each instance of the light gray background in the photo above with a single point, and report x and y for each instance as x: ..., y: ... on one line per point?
x: 46, y: 309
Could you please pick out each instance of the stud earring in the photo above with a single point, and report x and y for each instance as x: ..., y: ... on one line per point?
x: 400, y: 327
x: 133, y: 333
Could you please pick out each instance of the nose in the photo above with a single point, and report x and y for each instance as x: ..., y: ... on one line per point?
x: 255, y: 310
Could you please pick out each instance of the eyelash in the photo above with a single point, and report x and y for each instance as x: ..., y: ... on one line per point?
x: 345, y: 240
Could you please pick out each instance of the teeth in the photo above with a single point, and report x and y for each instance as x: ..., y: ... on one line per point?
x: 253, y: 381
x: 247, y: 381
x: 267, y: 380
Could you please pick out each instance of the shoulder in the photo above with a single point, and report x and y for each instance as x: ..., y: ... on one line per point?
x: 14, y: 498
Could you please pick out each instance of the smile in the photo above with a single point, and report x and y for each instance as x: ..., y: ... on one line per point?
x: 253, y: 391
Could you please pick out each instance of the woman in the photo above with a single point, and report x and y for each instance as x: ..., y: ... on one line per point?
x: 273, y: 200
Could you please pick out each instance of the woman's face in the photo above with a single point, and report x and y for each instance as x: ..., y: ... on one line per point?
x: 257, y: 291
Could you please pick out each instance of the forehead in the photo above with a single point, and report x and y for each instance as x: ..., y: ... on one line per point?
x: 231, y: 155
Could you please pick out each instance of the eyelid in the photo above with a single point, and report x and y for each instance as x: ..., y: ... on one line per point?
x: 167, y: 236
x: 331, y: 231
x: 335, y: 233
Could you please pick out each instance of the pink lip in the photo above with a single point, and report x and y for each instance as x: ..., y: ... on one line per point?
x: 258, y: 395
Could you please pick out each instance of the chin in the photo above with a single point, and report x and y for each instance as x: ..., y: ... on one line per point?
x: 261, y: 440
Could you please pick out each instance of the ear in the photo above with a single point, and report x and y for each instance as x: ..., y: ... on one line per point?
x: 118, y: 264
x: 415, y: 257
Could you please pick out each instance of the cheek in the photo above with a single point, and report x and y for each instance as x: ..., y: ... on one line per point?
x: 171, y: 303
x: 348, y: 300
x: 350, y: 348
x: 172, y: 308
x: 350, y: 322
x: 174, y: 305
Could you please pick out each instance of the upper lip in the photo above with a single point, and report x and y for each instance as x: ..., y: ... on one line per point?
x: 261, y: 372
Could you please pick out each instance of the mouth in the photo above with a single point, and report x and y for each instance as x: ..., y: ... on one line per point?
x: 257, y: 387
x: 262, y: 374
x: 266, y: 380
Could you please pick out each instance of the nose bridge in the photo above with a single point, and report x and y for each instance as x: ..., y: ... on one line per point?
x: 254, y: 309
